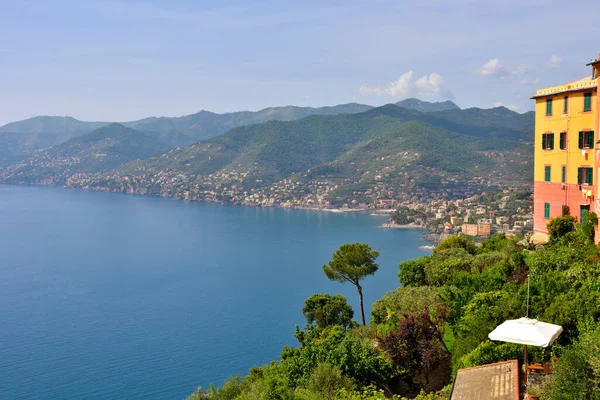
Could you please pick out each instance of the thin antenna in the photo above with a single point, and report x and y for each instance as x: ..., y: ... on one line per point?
x: 527, y: 316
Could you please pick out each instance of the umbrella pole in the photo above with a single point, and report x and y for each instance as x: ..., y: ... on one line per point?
x: 526, y: 364
x: 527, y: 296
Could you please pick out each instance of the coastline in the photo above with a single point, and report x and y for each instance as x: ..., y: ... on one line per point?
x: 430, y: 237
x: 393, y: 225
x: 188, y: 200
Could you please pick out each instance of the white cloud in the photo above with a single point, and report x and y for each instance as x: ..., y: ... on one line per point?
x: 554, y: 62
x: 512, y: 107
x: 431, y: 85
x: 493, y: 68
x: 496, y: 69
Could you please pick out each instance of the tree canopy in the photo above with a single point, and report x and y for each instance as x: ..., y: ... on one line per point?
x: 325, y: 310
x: 352, y: 263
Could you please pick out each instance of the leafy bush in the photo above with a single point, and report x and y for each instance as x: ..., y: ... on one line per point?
x: 484, y: 260
x: 456, y: 242
x: 560, y: 226
x: 445, y: 263
x: 356, y: 358
x: 325, y: 310
x: 577, y: 373
x: 405, y: 301
x: 488, y: 352
x: 416, y: 346
x: 412, y: 272
x: 327, y: 380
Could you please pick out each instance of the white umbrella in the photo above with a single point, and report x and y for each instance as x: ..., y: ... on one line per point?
x: 526, y: 331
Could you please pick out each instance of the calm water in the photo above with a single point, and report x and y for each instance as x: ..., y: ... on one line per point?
x: 122, y: 297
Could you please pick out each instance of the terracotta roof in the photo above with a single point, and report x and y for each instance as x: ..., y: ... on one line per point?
x: 499, y: 381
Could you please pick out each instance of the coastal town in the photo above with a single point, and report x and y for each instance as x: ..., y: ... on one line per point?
x: 478, y: 207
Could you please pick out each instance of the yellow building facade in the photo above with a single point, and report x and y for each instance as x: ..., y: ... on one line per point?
x: 566, y: 161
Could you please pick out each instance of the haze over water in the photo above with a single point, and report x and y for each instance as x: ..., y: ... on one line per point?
x: 122, y: 297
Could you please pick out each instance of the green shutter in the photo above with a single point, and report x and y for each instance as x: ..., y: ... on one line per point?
x: 547, y: 173
x: 549, y: 107
x: 544, y: 141
x: 552, y: 141
x: 587, y: 102
x: 590, y: 139
x: 563, y: 174
x: 579, y: 176
x: 546, y: 210
x: 566, y: 105
x: 590, y: 176
x: 580, y: 142
x: 561, y: 140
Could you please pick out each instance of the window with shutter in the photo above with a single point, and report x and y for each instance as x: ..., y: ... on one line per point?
x: 547, y: 173
x: 566, y: 105
x: 585, y: 176
x: 563, y: 140
x: 563, y: 174
x: 587, y: 102
x: 547, y: 210
x: 548, y: 106
x: 586, y: 140
x: 548, y: 141
x: 543, y: 141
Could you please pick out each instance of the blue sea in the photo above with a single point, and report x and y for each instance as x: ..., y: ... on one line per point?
x: 110, y: 296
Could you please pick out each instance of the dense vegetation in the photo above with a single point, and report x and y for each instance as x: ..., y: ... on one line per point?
x: 351, y: 153
x: 102, y: 149
x: 426, y: 106
x: 46, y: 131
x: 438, y: 320
x: 388, y: 145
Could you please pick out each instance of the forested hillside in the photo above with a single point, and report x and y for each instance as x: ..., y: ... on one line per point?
x: 391, y: 146
x: 100, y: 150
x: 18, y: 139
x: 438, y: 320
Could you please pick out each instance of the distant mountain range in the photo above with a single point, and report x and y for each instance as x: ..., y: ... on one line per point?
x: 351, y: 146
x: 426, y: 106
x: 19, y: 139
x: 100, y: 150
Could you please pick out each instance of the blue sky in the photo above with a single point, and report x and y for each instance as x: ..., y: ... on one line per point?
x: 124, y: 60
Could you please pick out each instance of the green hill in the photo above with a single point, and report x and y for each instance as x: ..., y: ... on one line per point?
x: 51, y: 125
x: 46, y: 131
x: 19, y: 139
x: 498, y: 121
x: 102, y: 149
x: 15, y: 146
x: 390, y: 146
x: 426, y: 106
x: 205, y: 124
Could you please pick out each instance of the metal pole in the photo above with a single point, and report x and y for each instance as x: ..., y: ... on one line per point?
x: 527, y: 296
x: 526, y: 363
